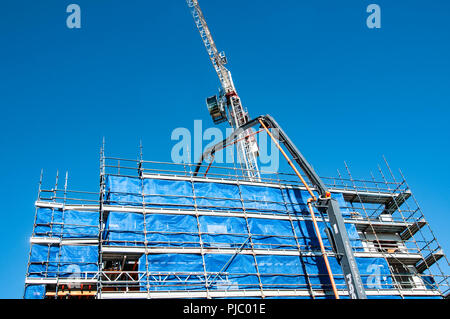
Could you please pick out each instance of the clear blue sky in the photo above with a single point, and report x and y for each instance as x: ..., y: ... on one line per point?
x: 137, y: 69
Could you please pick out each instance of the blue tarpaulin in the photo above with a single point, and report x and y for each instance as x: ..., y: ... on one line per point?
x: 66, y: 224
x: 127, y: 229
x: 161, y: 193
x: 263, y: 199
x: 44, y: 261
x: 218, y: 196
x: 48, y: 222
x: 123, y: 191
x: 63, y: 261
x: 233, y: 272
x: 80, y: 224
x: 224, y: 232
x: 171, y: 272
x: 188, y: 271
x: 78, y: 261
x: 124, y: 229
x: 168, y: 193
x: 35, y: 292
x: 172, y: 230
x: 272, y: 234
x: 281, y: 272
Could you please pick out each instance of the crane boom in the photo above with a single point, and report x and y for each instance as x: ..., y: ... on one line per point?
x: 247, y: 147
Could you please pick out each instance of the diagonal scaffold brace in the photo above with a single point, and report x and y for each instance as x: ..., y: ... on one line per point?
x: 324, y: 203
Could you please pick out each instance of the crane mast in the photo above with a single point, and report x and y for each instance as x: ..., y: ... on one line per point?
x: 228, y: 107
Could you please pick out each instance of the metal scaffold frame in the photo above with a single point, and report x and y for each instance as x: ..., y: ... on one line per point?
x: 375, y: 209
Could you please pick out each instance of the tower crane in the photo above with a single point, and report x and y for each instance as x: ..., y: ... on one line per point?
x: 227, y: 106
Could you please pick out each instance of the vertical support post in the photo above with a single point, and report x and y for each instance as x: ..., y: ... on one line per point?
x: 348, y: 264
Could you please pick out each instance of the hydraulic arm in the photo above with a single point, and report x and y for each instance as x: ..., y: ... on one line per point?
x: 323, y: 202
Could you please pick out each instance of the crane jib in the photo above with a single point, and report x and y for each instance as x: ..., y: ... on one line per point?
x: 247, y: 148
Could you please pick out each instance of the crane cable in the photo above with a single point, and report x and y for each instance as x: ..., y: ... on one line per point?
x: 313, y: 216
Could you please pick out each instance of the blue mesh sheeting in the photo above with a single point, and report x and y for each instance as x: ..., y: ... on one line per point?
x: 66, y: 224
x: 48, y: 222
x: 168, y: 193
x: 240, y: 273
x: 218, y: 196
x: 375, y: 273
x: 263, y: 199
x: 80, y: 224
x: 78, y: 261
x: 272, y: 234
x: 35, y: 292
x: 123, y: 191
x: 224, y: 231
x: 318, y: 274
x: 296, y: 200
x: 124, y: 229
x: 304, y: 229
x: 168, y: 272
x: 43, y: 261
x: 185, y: 271
x: 172, y: 230
x: 342, y: 204
x: 281, y: 272
x: 65, y: 261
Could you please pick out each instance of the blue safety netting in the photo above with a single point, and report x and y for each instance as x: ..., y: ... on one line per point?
x: 168, y: 272
x: 263, y: 199
x: 35, y: 292
x: 124, y: 229
x: 66, y: 224
x: 239, y: 271
x: 155, y: 193
x: 44, y: 261
x: 172, y: 230
x: 167, y: 230
x: 79, y: 224
x: 127, y: 229
x: 123, y: 191
x: 231, y: 272
x: 375, y: 273
x: 296, y: 200
x: 308, y: 239
x: 282, y: 272
x: 218, y: 196
x: 48, y: 222
x: 272, y: 234
x: 224, y: 232
x: 78, y: 261
x: 186, y: 271
x: 168, y: 194
x: 161, y: 193
x: 63, y: 261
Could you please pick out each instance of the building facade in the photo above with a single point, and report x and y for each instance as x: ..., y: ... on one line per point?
x: 155, y: 230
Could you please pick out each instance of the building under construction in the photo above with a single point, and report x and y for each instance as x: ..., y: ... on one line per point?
x: 155, y: 230
x: 165, y: 230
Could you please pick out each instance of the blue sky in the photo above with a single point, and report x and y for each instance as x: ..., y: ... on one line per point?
x: 137, y: 70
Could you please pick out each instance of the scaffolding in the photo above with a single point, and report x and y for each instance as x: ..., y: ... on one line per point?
x: 155, y: 230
